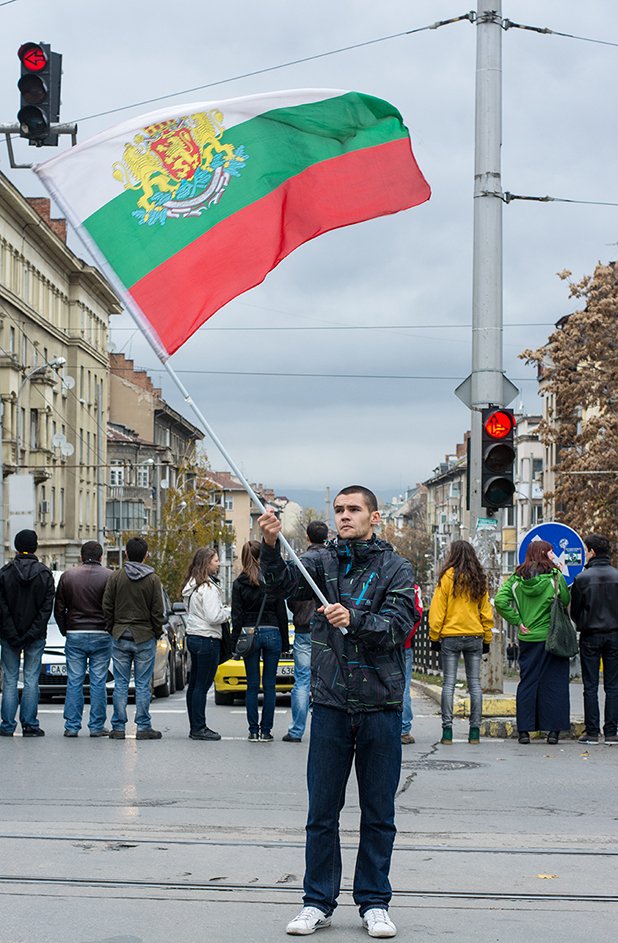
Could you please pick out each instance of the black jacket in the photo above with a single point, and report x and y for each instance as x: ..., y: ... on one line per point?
x: 246, y: 602
x: 26, y: 600
x: 594, y: 597
x: 364, y: 669
x: 79, y: 599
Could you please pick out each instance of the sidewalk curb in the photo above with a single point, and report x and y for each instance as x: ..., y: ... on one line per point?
x: 498, y: 712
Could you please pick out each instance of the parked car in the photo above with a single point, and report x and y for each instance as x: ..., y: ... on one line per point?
x: 231, y: 679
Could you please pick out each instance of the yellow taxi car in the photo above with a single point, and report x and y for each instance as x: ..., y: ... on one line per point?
x: 231, y: 680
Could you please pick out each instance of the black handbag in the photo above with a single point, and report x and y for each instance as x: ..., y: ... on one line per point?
x: 561, y: 638
x: 245, y: 642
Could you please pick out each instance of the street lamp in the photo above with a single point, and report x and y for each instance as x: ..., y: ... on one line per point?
x: 54, y: 364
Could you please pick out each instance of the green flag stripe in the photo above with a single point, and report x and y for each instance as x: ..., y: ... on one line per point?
x: 279, y: 144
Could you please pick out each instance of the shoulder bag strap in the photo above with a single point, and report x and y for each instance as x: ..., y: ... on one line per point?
x: 257, y: 621
x: 517, y: 609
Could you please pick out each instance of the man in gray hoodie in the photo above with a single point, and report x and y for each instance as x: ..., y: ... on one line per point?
x: 133, y: 610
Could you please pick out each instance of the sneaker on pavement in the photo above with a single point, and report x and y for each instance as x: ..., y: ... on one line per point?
x: 447, y: 736
x: 103, y: 732
x: 589, y: 738
x: 407, y: 738
x: 475, y: 735
x: 148, y: 734
x: 28, y: 731
x: 266, y: 738
x: 377, y: 923
x: 611, y: 738
x: 70, y: 733
x: 5, y: 733
x: 288, y: 738
x: 307, y: 921
x: 254, y: 737
x: 117, y: 735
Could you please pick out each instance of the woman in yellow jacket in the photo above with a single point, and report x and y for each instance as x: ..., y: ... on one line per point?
x: 460, y: 622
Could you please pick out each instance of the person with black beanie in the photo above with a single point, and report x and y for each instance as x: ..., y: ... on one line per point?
x: 26, y: 601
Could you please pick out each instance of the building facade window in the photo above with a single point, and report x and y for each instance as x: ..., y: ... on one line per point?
x: 125, y: 515
x: 34, y: 429
x: 116, y: 474
x: 143, y: 476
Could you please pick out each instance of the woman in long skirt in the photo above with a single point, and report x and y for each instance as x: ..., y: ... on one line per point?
x: 525, y: 600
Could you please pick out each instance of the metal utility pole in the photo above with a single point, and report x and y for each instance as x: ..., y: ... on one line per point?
x: 100, y: 469
x: 486, y: 385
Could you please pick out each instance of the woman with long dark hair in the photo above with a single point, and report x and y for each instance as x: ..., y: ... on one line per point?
x: 460, y: 623
x: 205, y: 617
x: 251, y: 606
x: 525, y: 600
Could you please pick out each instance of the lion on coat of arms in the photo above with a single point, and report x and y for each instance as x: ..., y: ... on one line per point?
x: 180, y: 167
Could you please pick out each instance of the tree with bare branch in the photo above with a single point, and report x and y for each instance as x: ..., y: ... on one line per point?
x: 578, y: 369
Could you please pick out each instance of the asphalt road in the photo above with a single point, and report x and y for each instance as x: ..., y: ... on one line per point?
x: 177, y: 840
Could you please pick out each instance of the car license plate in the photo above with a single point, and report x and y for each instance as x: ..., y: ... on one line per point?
x: 286, y: 669
x: 55, y: 669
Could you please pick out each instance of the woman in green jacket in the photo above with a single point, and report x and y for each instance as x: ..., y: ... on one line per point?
x: 525, y: 600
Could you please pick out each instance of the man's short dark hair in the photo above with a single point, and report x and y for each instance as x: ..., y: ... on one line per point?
x: 136, y: 549
x: 91, y: 550
x: 370, y: 499
x: 599, y: 543
x: 317, y: 532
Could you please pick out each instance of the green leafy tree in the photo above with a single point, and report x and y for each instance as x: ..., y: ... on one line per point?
x: 579, y: 371
x: 191, y: 517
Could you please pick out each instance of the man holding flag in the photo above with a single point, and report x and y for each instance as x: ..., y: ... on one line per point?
x: 357, y: 682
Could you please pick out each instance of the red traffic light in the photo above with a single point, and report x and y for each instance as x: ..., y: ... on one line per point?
x: 499, y: 424
x: 32, y: 57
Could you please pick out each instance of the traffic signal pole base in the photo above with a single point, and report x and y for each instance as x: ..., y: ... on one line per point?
x: 13, y: 130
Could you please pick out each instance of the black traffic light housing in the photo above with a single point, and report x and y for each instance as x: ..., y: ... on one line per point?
x: 39, y: 86
x: 497, y: 458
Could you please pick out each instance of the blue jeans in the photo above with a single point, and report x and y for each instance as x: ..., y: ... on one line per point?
x: 33, y: 655
x: 142, y: 655
x: 86, y: 651
x: 268, y: 643
x: 594, y: 646
x: 204, y: 663
x: 371, y: 740
x: 408, y: 714
x: 472, y: 648
x: 302, y: 683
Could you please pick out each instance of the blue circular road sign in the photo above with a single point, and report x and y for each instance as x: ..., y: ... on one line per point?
x: 566, y: 542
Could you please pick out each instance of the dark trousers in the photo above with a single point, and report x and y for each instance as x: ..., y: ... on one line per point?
x: 371, y: 740
x: 204, y: 663
x: 543, y: 691
x: 592, y: 648
x: 268, y: 646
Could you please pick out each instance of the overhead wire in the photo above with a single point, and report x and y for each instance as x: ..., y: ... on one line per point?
x: 281, y: 65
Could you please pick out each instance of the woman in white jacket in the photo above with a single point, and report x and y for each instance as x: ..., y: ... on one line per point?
x: 205, y: 616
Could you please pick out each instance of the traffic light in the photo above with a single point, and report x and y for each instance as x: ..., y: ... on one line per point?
x: 39, y: 85
x: 497, y: 458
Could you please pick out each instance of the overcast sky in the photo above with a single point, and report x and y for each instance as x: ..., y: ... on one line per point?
x: 410, y: 275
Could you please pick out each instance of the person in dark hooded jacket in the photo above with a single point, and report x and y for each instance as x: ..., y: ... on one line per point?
x: 133, y: 610
x: 26, y: 602
x: 357, y: 682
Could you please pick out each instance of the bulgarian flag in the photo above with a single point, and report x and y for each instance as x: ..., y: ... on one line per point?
x: 187, y: 207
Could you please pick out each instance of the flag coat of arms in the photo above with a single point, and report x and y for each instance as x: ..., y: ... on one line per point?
x: 189, y: 206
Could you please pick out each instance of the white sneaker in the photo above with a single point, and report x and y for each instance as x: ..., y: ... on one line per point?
x: 378, y: 923
x: 308, y: 921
